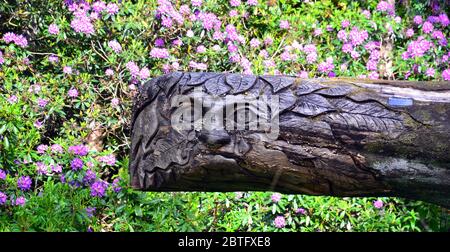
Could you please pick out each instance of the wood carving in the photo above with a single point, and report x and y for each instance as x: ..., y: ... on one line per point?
x: 337, y: 137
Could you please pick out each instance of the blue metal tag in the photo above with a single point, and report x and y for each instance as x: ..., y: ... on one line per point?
x: 400, y: 102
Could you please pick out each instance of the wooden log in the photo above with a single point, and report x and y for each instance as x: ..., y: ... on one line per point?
x: 339, y: 137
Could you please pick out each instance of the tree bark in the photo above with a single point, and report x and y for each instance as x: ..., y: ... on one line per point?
x: 338, y: 137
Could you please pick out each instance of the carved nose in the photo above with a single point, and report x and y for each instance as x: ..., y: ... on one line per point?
x: 215, y: 137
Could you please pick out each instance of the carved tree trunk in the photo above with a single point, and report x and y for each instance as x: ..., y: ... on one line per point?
x: 336, y: 137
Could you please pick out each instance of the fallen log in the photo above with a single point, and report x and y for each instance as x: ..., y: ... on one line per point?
x: 339, y: 137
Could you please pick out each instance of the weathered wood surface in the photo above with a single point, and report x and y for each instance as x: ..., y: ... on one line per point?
x: 337, y: 137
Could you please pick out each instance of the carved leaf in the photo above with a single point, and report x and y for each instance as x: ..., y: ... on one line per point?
x: 366, y: 116
x: 217, y: 86
x: 199, y: 78
x: 166, y: 82
x: 335, y: 91
x: 240, y: 83
x: 307, y: 87
x: 278, y: 82
x: 312, y: 105
x: 287, y: 99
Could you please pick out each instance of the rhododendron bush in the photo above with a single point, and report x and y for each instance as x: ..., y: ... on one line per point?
x: 69, y: 71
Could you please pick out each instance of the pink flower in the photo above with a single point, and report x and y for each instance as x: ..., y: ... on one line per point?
x: 276, y: 197
x: 430, y: 72
x: 112, y: 8
x: 177, y: 42
x: 317, y: 32
x: 115, y: 46
x: 279, y: 222
x: 201, y: 49
x: 284, y: 24
x: 132, y: 68
x: 373, y: 75
x: 427, y: 27
x: 108, y: 159
x: 233, y: 13
x: 72, y: 93
x: 438, y: 35
x: 443, y: 18
x: 144, y: 73
x: 371, y: 65
x: 42, y: 148
x: 252, y: 2
x: 300, y: 211
x: 53, y: 59
x: 19, y: 40
x: 342, y: 35
x: 98, y: 6
x: 255, y: 43
x: 82, y: 24
x: 378, y: 204
x: 347, y: 47
x: 190, y: 34
x: 9, y: 37
x: 175, y: 66
x: 354, y: 54
x: 159, y: 53
x: 446, y: 74
x: 167, y: 22
x: 384, y: 6
x: 67, y: 70
x: 357, y: 37
x: 345, y: 23
x: 310, y: 48
x: 196, y: 3
x: 53, y: 29
x: 366, y: 13
x: 235, y: 3
x: 409, y: 33
x: 115, y: 102
x: 56, y: 148
x: 198, y: 66
x: 311, y: 57
x: 303, y: 75
x: 109, y: 72
x: 12, y: 99
x: 418, y: 47
x: 42, y: 102
x: 56, y: 168
x: 418, y: 20
x: 326, y: 66
x: 268, y: 41
x: 38, y: 124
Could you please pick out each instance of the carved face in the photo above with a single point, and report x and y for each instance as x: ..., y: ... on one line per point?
x: 195, y: 124
x: 172, y: 130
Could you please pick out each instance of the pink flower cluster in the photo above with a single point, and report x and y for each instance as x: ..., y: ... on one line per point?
x: 326, y: 66
x: 19, y: 40
x: 418, y: 48
x: 198, y: 66
x: 53, y: 29
x: 159, y: 53
x: 134, y: 70
x: 284, y: 24
x: 82, y: 21
x: 384, y: 6
x: 168, y: 13
x: 115, y: 46
x: 108, y: 159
